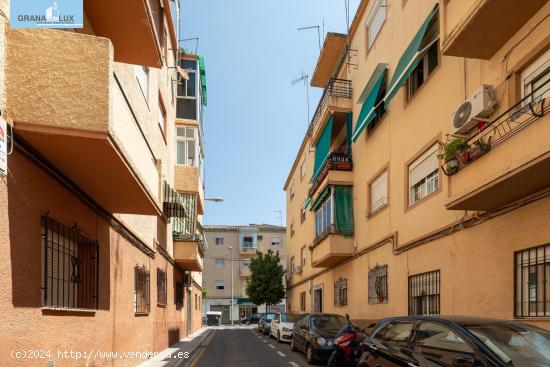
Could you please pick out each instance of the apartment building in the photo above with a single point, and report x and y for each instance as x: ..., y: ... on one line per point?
x: 226, y: 266
x: 101, y: 208
x: 421, y: 186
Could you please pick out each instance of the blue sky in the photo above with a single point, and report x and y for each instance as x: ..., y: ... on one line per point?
x: 255, y: 119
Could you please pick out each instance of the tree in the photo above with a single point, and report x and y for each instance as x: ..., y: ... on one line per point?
x: 266, y: 279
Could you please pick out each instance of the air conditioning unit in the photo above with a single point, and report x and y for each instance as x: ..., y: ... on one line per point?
x: 480, y: 105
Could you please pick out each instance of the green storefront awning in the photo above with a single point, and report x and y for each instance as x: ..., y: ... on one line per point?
x: 322, y: 149
x: 410, y: 58
x: 370, y: 94
x: 202, y: 70
x: 320, y: 199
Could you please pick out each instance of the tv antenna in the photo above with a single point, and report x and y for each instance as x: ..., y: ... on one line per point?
x: 305, y: 78
x: 318, y: 32
x: 280, y: 216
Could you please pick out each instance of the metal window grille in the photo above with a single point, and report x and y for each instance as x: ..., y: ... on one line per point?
x: 303, y: 301
x: 378, y: 284
x: 532, y: 278
x: 179, y: 295
x: 424, y: 293
x: 161, y: 287
x: 70, y: 263
x: 142, y: 290
x: 341, y: 292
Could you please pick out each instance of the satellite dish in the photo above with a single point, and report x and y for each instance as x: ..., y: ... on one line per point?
x: 462, y: 115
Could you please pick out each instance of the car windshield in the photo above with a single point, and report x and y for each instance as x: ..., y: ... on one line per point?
x: 511, y: 342
x: 269, y: 316
x: 328, y: 322
x: 289, y: 317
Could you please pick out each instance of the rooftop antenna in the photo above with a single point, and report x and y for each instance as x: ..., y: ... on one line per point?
x: 280, y: 216
x: 318, y: 32
x: 305, y: 78
x: 196, y: 39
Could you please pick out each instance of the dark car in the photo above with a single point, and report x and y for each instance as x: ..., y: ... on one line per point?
x: 314, y: 335
x: 264, y: 325
x: 251, y: 319
x: 459, y: 341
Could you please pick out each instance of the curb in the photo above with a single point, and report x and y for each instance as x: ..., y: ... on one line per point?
x: 193, y: 349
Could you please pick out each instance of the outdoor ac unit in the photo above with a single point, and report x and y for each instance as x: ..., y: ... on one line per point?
x: 480, y: 105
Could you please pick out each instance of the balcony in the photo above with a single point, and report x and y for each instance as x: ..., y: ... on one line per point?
x: 135, y: 28
x: 507, y: 160
x: 336, y: 99
x: 187, y: 179
x: 188, y: 255
x: 337, y: 171
x: 331, y: 247
x: 70, y: 108
x: 496, y: 20
x: 244, y: 271
x: 248, y: 250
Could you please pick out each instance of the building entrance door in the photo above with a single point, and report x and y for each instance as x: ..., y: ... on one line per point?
x: 189, y: 305
x: 318, y: 299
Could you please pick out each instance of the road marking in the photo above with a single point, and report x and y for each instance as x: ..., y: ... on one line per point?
x: 265, y: 341
x: 281, y: 353
x: 271, y: 346
x: 294, y: 364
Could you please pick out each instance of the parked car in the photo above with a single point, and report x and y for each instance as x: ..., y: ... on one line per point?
x: 314, y: 335
x: 282, y: 325
x: 423, y: 341
x: 251, y: 319
x: 265, y: 322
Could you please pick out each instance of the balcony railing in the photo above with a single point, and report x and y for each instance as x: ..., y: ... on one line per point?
x: 331, y: 230
x: 335, y: 88
x: 531, y: 108
x: 249, y: 249
x: 336, y: 162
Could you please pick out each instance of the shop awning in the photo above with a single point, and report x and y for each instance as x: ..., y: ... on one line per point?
x: 320, y: 199
x: 322, y: 149
x: 410, y: 58
x: 369, y: 95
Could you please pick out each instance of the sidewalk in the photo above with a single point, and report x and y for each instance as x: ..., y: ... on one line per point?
x: 174, y: 356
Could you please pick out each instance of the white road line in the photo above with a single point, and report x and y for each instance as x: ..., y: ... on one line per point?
x: 281, y: 353
x: 271, y: 346
x: 265, y: 341
x: 294, y: 364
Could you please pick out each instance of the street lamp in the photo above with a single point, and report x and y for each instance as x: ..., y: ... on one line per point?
x: 214, y: 199
x: 231, y: 306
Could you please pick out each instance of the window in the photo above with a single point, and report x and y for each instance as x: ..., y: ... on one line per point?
x: 187, y: 146
x: 424, y: 175
x: 259, y: 237
x: 375, y: 20
x: 247, y: 262
x: 219, y: 241
x: 161, y: 113
x: 69, y: 267
x: 424, y: 294
x: 395, y: 332
x: 196, y: 302
x: 161, y: 287
x: 532, y: 273
x: 275, y: 241
x: 292, y: 265
x: 186, y: 107
x: 220, y: 263
x: 141, y: 290
x: 292, y: 190
x: 292, y: 228
x: 429, y: 58
x: 439, y: 342
x: 302, y: 214
x: 323, y: 218
x: 220, y: 284
x: 179, y: 296
x: 378, y: 189
x: 535, y: 79
x: 341, y: 292
x: 303, y: 169
x: 248, y: 243
x: 303, y: 255
x: 142, y: 76
x: 378, y: 284
x: 303, y: 301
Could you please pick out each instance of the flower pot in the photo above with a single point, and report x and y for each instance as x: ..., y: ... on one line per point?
x: 451, y: 166
x: 465, y: 156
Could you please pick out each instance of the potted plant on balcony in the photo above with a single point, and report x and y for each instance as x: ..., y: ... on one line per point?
x: 451, y: 151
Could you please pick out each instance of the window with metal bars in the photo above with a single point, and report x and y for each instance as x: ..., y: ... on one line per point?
x: 161, y: 287
x: 303, y: 301
x: 378, y: 284
x: 424, y: 293
x: 179, y: 295
x: 69, y: 267
x: 142, y: 290
x: 341, y: 292
x: 532, y: 282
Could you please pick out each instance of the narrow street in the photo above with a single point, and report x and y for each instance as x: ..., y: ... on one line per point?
x: 246, y: 347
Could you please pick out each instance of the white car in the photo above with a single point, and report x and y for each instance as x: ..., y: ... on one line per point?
x: 282, y: 325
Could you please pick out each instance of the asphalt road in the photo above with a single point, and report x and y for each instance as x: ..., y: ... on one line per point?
x: 246, y: 348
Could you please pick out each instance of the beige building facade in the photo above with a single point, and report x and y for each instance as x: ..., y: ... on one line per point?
x: 101, y: 240
x: 421, y: 185
x: 227, y: 262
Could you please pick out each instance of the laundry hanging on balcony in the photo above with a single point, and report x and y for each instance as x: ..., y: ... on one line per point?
x: 411, y: 57
x: 322, y: 149
x: 370, y: 95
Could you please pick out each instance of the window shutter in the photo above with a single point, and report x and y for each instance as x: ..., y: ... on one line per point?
x: 379, y: 191
x: 424, y: 165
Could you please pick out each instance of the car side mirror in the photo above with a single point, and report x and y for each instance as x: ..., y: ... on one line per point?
x: 464, y: 361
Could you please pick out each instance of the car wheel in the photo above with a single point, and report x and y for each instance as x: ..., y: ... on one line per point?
x: 278, y: 337
x: 292, y: 346
x: 309, y: 355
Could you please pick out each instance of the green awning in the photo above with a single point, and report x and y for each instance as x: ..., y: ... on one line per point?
x: 349, y: 131
x: 343, y: 208
x: 322, y: 149
x: 410, y: 59
x: 320, y: 199
x: 203, y: 81
x: 370, y: 94
x: 306, y: 203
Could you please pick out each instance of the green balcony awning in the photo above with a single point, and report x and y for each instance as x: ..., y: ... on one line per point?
x: 322, y: 149
x: 202, y: 70
x: 306, y: 203
x: 343, y: 208
x: 369, y: 95
x: 410, y: 58
x: 349, y: 131
x: 320, y: 199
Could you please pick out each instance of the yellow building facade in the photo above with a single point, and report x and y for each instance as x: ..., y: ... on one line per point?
x: 421, y: 185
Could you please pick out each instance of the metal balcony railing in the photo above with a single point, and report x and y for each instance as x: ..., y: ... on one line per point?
x: 335, y: 88
x: 336, y: 162
x: 528, y: 110
x: 248, y: 249
x: 331, y: 230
